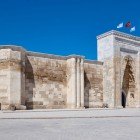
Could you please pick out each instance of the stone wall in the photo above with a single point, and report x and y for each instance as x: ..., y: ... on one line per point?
x: 4, y: 78
x: 55, y: 82
x: 45, y: 84
x: 93, y: 90
x: 11, y: 77
x: 40, y: 81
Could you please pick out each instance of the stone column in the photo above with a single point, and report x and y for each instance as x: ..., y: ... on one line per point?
x: 138, y: 80
x: 4, y: 79
x: 117, y: 79
x: 75, y: 82
x: 71, y: 82
x: 12, y: 78
x: 82, y: 82
x: 78, y: 84
x: 17, y: 78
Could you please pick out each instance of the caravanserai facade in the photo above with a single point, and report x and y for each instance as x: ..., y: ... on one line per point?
x: 42, y: 81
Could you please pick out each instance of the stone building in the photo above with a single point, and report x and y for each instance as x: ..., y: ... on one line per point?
x: 41, y: 81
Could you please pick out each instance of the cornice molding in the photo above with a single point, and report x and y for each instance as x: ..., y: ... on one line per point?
x: 13, y: 47
x: 119, y: 34
x: 126, y: 41
x: 52, y: 56
x: 128, y: 51
x: 93, y: 62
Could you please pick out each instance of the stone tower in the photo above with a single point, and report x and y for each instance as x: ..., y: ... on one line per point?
x: 120, y: 54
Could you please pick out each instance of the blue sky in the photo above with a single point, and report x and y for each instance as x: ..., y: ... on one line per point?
x: 64, y: 27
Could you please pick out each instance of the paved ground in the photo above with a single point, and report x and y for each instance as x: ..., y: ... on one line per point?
x: 57, y: 114
x: 120, y: 124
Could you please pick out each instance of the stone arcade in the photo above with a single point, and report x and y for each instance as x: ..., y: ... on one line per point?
x: 41, y: 81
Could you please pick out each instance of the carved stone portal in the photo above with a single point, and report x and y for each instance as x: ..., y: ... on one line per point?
x: 128, y: 82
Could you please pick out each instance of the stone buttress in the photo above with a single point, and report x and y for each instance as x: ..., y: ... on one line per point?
x: 12, y: 79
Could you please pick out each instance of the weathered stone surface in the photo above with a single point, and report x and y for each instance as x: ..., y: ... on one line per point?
x: 93, y: 93
x: 121, y: 69
x: 45, y: 81
x: 41, y: 81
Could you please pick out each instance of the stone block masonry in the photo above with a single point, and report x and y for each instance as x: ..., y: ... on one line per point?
x: 41, y: 81
x: 119, y: 53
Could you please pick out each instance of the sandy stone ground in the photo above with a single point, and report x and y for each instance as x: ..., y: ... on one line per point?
x: 90, y: 124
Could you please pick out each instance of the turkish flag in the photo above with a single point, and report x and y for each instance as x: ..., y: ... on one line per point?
x: 128, y: 24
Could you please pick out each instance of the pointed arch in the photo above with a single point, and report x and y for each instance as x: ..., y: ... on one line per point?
x: 128, y: 81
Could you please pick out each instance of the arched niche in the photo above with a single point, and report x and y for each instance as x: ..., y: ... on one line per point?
x: 128, y: 82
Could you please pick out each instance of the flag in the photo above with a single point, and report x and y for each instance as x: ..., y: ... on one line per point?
x: 132, y: 29
x: 120, y: 25
x: 128, y: 24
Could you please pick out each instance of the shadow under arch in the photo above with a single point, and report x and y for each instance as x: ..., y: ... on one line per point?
x: 29, y: 84
x: 87, y: 87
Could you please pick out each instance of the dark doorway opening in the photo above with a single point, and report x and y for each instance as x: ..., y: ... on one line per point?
x: 123, y: 99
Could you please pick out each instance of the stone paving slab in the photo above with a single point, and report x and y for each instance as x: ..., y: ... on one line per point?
x: 89, y: 124
x: 70, y: 129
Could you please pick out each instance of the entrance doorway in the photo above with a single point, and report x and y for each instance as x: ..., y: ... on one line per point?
x: 123, y: 99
